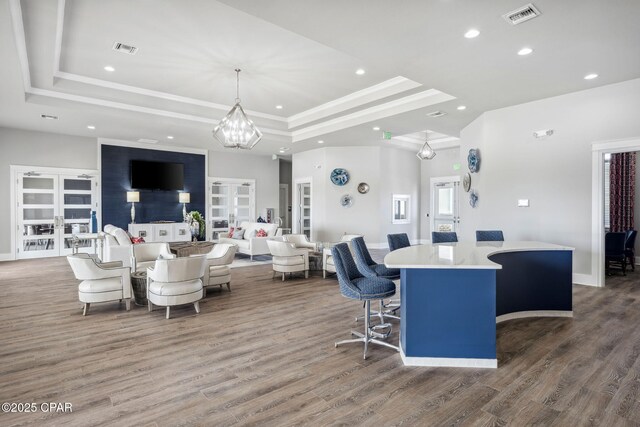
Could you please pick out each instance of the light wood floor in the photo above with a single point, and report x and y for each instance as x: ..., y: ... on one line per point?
x: 264, y: 355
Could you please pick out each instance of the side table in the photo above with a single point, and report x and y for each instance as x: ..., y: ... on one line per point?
x: 139, y: 285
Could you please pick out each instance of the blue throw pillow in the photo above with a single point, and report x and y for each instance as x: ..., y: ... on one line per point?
x: 238, y: 234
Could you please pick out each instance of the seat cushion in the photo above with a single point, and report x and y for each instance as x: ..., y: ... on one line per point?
x: 288, y: 260
x: 175, y: 288
x: 330, y: 260
x: 102, y: 285
x: 218, y: 270
x: 241, y: 244
x: 381, y: 270
x: 374, y: 287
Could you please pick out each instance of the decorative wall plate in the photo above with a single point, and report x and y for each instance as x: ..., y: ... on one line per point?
x: 466, y: 182
x: 474, y: 160
x: 339, y: 176
x: 473, y: 198
x: 346, y: 201
x: 363, y: 188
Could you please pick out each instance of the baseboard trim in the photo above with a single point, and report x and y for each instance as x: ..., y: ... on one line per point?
x: 584, y: 279
x: 449, y: 362
x: 6, y: 257
x: 378, y: 245
x: 534, y: 313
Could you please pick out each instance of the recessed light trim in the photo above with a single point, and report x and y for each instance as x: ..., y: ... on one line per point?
x: 462, y: 107
x: 360, y: 71
x: 376, y: 128
x: 92, y: 127
x: 472, y: 33
x: 109, y: 68
x: 525, y: 51
x: 590, y: 76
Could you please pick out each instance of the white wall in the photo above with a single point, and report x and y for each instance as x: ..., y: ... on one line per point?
x: 31, y: 148
x: 387, y: 171
x: 554, y: 174
x: 243, y: 165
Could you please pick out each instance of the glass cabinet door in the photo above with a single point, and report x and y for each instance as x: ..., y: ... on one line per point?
x: 77, y: 202
x: 37, y: 218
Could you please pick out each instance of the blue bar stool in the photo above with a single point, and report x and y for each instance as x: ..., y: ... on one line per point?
x: 444, y: 237
x: 489, y: 236
x: 398, y: 241
x: 355, y: 286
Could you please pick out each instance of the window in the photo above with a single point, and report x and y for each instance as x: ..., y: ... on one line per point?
x: 401, y: 209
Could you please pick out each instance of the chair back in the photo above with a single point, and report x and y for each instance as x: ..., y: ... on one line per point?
x: 489, y: 236
x: 82, y: 265
x: 149, y: 251
x: 631, y: 239
x: 614, y: 244
x: 296, y: 239
x: 278, y: 248
x: 398, y: 241
x: 444, y: 237
x: 179, y: 269
x: 361, y: 252
x: 222, y: 253
x: 346, y: 270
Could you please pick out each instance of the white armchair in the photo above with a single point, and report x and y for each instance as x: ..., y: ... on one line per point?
x: 327, y: 259
x: 116, y: 245
x: 217, y: 271
x: 101, y: 282
x: 300, y: 241
x: 144, y: 255
x: 288, y: 259
x: 175, y: 282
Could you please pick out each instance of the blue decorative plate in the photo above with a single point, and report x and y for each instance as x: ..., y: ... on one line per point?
x: 474, y: 160
x: 473, y: 198
x: 346, y: 201
x: 339, y: 176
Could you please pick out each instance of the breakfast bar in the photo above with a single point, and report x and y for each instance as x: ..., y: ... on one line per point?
x: 453, y: 295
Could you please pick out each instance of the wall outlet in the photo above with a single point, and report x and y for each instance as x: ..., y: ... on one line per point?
x: 523, y: 203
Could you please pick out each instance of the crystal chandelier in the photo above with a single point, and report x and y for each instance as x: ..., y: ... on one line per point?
x: 426, y: 152
x: 236, y: 130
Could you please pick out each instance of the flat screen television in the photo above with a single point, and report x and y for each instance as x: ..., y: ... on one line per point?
x: 156, y: 175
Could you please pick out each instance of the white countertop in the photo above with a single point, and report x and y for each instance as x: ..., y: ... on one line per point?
x: 469, y: 255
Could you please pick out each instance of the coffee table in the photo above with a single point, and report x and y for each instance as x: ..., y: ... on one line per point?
x: 185, y: 249
x: 139, y: 285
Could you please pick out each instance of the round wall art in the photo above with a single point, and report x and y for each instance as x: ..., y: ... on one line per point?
x: 466, y: 182
x: 346, y: 201
x: 473, y: 198
x: 339, y: 176
x: 474, y: 160
x: 363, y: 188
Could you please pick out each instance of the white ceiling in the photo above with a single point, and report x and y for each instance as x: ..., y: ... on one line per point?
x: 303, y: 55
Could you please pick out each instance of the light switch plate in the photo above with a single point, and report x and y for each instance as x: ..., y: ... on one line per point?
x: 523, y: 203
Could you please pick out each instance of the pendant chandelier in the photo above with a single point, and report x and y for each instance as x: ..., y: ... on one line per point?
x: 426, y: 152
x: 236, y: 130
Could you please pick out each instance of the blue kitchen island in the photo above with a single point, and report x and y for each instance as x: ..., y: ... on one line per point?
x: 453, y: 294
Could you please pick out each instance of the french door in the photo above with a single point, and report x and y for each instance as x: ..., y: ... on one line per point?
x: 231, y: 202
x: 303, y: 208
x: 50, y: 209
x: 445, y: 204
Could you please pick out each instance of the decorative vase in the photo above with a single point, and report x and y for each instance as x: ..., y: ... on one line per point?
x: 195, y: 230
x: 94, y: 222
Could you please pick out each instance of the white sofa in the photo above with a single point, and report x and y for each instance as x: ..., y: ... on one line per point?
x: 249, y: 244
x: 117, y: 245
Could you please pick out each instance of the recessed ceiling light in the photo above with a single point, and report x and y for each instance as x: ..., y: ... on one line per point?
x: 376, y: 128
x: 169, y: 137
x: 320, y: 142
x: 278, y: 107
x: 49, y: 117
x: 281, y: 151
x: 109, y: 68
x: 472, y: 33
x: 360, y: 71
x: 462, y: 107
x: 92, y: 127
x: 590, y: 76
x: 525, y: 51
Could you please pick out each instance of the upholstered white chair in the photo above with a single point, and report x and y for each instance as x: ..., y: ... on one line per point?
x: 116, y: 245
x: 300, y: 241
x: 175, y: 282
x: 288, y: 259
x: 327, y: 259
x: 217, y: 271
x: 144, y: 255
x: 101, y: 282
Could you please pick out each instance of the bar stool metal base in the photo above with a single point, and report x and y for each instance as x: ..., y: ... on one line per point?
x: 371, y: 335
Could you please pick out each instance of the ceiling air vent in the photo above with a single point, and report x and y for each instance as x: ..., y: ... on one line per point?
x: 521, y: 14
x: 49, y: 117
x: 125, y: 48
x: 436, y: 114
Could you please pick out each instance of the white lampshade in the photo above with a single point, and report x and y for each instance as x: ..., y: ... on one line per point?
x: 184, y: 197
x: 133, y: 196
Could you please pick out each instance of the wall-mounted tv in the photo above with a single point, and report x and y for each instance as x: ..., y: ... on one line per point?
x: 156, y: 175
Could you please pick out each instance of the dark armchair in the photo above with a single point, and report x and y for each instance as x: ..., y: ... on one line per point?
x: 629, y: 248
x: 614, y: 251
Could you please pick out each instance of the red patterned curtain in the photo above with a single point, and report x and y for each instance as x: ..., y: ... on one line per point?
x: 622, y: 190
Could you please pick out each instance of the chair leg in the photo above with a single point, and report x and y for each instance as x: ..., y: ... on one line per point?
x: 367, y: 314
x: 150, y: 305
x: 306, y: 274
x: 127, y: 304
x: 168, y: 309
x: 283, y: 277
x: 324, y: 274
x: 229, y: 286
x: 85, y: 310
x: 196, y: 305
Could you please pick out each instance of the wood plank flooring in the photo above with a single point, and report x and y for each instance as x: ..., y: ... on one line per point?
x: 263, y: 354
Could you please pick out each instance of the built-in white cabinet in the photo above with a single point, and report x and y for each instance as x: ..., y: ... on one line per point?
x: 165, y: 232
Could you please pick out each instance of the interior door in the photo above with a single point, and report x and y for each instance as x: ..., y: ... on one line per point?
x: 304, y: 209
x: 445, y: 206
x: 77, y: 200
x: 37, y: 218
x: 220, y: 203
x: 242, y: 200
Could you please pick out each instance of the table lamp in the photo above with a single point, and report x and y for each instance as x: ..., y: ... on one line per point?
x: 133, y: 197
x: 184, y: 198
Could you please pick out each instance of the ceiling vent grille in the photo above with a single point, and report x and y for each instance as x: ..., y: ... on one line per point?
x: 436, y: 114
x: 125, y: 48
x: 521, y: 14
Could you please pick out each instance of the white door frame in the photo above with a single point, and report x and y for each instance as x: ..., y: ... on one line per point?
x: 296, y: 203
x: 213, y: 179
x: 286, y: 215
x: 432, y: 182
x: 598, y: 149
x: 21, y: 169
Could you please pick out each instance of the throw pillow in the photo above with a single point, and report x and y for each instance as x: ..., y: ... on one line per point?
x: 261, y: 233
x: 135, y: 240
x: 231, y: 231
x: 238, y: 234
x: 250, y: 234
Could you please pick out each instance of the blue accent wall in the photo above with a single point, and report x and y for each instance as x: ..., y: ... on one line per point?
x: 155, y: 205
